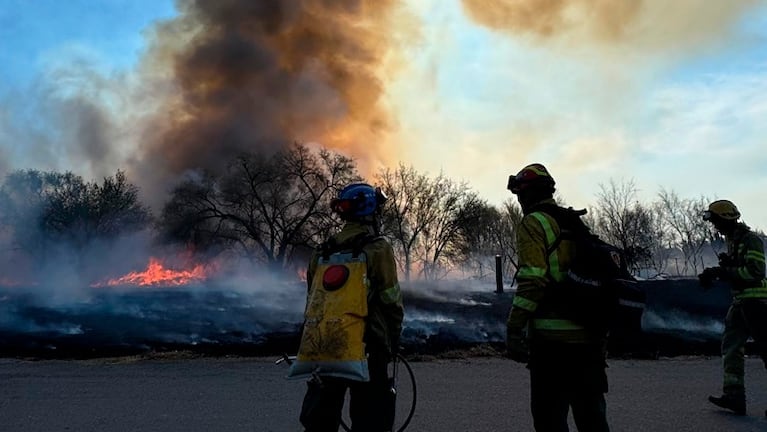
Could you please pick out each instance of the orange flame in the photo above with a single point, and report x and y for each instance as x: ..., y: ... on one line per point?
x: 157, y: 274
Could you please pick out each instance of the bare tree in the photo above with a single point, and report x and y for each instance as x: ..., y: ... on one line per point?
x: 426, y: 220
x: 479, y: 245
x: 50, y: 208
x: 23, y: 199
x: 195, y: 215
x: 408, y: 212
x: 493, y: 233
x: 269, y: 208
x: 623, y: 221
x: 689, y: 232
x: 116, y: 208
x: 443, y: 239
x: 661, y: 242
x: 511, y: 218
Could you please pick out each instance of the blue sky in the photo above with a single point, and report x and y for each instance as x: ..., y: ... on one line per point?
x: 34, y: 33
x: 678, y: 103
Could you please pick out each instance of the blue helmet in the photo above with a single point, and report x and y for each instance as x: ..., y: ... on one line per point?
x: 358, y: 200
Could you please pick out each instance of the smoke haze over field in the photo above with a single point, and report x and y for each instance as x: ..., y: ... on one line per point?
x: 266, y: 318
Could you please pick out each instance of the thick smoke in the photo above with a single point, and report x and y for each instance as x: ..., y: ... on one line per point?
x: 655, y: 25
x: 551, y: 17
x: 71, y: 118
x: 254, y: 76
x: 221, y: 78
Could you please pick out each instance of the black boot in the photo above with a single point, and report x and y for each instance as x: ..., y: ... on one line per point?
x: 736, y: 404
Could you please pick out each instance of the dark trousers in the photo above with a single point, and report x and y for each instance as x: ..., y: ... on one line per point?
x: 371, y: 404
x: 564, y: 376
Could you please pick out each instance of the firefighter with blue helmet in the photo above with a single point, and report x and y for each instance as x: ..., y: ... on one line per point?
x: 380, y: 316
x: 743, y: 267
x: 566, y: 359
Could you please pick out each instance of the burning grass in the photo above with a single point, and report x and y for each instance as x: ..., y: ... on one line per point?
x: 157, y: 274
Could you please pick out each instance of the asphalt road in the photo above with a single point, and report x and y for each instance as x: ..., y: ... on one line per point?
x: 246, y: 394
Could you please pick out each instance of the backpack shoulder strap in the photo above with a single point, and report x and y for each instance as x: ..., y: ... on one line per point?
x: 360, y: 241
x: 355, y: 245
x: 571, y: 225
x: 329, y: 247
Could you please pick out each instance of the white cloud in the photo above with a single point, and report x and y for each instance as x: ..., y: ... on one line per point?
x: 721, y: 113
x: 481, y: 113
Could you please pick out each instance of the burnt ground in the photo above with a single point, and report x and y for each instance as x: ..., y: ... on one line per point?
x: 448, y: 319
x: 191, y: 360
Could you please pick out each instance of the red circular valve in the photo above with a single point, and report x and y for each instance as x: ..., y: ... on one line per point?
x: 335, y: 277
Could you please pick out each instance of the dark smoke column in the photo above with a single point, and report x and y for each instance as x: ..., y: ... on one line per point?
x: 257, y: 75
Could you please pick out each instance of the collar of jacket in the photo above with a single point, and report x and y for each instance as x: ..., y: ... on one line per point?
x: 739, y: 232
x: 535, y: 207
x: 351, y: 230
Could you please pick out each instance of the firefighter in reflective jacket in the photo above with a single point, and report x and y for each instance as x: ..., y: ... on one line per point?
x: 566, y: 360
x: 743, y: 266
x: 371, y: 402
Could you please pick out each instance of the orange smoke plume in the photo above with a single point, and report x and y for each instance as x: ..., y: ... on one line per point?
x: 652, y: 24
x: 256, y: 76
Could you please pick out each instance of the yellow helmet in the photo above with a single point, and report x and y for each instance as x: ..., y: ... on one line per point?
x: 723, y: 210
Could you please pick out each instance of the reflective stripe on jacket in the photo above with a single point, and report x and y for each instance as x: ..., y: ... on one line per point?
x: 538, y: 270
x: 747, y: 274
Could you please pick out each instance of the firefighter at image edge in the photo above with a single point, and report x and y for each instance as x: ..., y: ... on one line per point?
x: 566, y: 360
x: 743, y: 267
x: 371, y: 402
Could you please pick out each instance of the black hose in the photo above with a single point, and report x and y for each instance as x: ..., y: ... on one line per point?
x: 415, y: 392
x: 400, y: 359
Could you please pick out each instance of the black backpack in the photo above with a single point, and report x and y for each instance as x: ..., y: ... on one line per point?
x: 598, y: 283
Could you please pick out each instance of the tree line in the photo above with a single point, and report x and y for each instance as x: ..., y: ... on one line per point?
x: 273, y: 209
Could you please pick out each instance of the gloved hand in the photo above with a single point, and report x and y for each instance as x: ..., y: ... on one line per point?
x: 517, y: 348
x: 708, y: 276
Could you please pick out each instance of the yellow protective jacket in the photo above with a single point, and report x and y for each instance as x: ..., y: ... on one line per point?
x: 745, y: 268
x: 538, y: 271
x: 385, y: 311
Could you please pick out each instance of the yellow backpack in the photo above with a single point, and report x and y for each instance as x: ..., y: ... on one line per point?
x: 332, y: 339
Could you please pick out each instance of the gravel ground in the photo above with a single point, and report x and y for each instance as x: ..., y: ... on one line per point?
x: 186, y: 393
